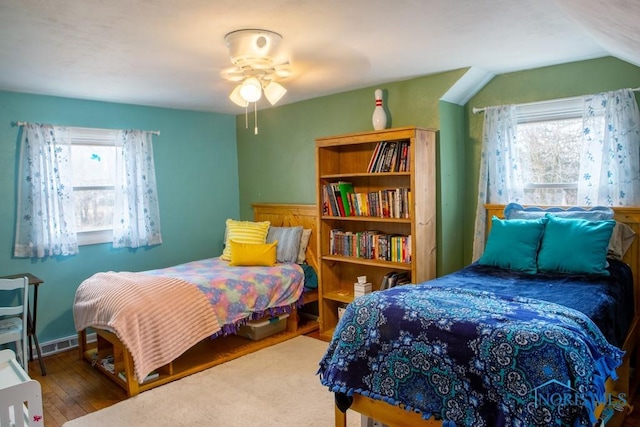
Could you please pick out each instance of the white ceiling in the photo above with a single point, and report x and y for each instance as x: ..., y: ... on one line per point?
x: 170, y: 53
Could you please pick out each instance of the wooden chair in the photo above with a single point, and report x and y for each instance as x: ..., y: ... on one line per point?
x: 13, y: 315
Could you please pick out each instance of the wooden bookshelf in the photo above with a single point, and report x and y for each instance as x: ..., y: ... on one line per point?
x: 348, y: 158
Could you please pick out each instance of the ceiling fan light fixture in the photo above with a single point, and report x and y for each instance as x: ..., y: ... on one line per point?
x: 251, y: 89
x: 257, y: 64
x: 274, y: 92
x: 236, y: 98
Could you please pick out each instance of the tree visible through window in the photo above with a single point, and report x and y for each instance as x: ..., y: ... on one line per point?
x: 549, y: 141
x: 550, y: 161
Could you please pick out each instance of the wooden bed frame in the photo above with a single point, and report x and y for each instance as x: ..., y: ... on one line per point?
x: 398, y: 417
x: 211, y: 352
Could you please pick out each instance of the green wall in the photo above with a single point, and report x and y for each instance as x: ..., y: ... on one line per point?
x: 450, y: 197
x: 278, y: 164
x: 197, y: 177
x: 555, y: 82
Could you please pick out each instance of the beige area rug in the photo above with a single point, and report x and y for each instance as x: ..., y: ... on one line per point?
x: 276, y: 386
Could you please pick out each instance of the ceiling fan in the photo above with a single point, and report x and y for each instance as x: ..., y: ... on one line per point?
x: 257, y: 66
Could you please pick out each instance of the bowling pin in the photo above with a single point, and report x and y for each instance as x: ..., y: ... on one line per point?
x: 379, y: 118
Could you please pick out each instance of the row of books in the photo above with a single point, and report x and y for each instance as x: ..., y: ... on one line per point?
x: 392, y: 156
x: 340, y: 199
x: 370, y: 244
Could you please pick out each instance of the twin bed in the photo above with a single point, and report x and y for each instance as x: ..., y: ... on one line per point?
x: 161, y: 325
x: 492, y: 346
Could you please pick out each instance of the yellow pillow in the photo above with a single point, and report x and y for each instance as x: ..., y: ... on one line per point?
x: 244, y: 232
x: 262, y: 254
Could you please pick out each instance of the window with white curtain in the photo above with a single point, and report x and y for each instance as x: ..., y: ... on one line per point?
x: 583, y: 151
x: 83, y: 186
x: 93, y: 159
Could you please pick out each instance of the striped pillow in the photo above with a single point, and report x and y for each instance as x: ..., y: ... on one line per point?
x: 288, y: 239
x: 244, y: 232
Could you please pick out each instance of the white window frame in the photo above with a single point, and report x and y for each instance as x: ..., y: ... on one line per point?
x: 557, y: 109
x: 93, y: 137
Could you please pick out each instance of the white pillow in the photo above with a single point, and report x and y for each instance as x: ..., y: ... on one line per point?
x: 620, y: 242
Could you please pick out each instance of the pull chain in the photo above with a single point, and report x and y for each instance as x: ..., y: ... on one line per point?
x: 255, y: 120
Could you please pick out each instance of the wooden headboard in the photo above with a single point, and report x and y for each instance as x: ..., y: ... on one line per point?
x: 628, y: 215
x: 285, y: 215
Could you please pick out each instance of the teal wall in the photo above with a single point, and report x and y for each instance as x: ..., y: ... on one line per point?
x: 278, y: 164
x: 197, y: 177
x: 560, y: 81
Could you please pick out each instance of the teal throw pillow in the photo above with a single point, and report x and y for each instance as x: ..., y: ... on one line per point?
x: 513, y: 244
x: 575, y: 246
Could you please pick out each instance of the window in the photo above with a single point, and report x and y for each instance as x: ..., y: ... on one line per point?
x: 549, y: 138
x: 93, y: 160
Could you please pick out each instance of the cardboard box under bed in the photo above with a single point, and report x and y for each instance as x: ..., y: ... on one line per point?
x: 259, y: 329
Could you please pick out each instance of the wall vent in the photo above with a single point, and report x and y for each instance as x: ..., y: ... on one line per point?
x: 63, y: 344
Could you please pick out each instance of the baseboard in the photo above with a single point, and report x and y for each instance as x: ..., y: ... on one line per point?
x: 63, y: 344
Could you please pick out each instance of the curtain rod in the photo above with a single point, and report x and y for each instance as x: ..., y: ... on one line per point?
x: 155, y: 132
x: 477, y: 110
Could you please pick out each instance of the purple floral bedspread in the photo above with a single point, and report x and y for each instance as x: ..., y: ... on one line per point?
x: 239, y: 294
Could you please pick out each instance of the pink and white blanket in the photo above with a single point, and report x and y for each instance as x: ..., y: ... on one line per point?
x: 134, y: 307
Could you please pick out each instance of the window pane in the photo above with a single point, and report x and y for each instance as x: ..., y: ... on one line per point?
x: 550, y: 158
x: 551, y: 196
x: 93, y: 165
x: 94, y: 209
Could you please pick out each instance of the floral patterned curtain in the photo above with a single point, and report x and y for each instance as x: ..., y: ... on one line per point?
x: 610, y: 160
x: 500, y: 178
x: 45, y: 224
x: 136, y: 211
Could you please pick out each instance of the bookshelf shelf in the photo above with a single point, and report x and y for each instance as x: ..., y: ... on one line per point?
x: 367, y: 219
x: 403, y: 198
x: 343, y: 297
x: 368, y: 262
x: 365, y: 175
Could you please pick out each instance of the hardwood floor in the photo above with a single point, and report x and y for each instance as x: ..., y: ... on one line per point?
x: 72, y: 388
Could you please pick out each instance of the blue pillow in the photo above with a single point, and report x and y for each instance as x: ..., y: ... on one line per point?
x: 575, y: 246
x: 513, y: 244
x: 288, y: 242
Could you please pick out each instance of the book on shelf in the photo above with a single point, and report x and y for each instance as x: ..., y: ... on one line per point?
x: 377, y: 156
x: 370, y: 244
x: 374, y: 157
x: 384, y: 283
x: 329, y: 199
x: 338, y: 198
x: 389, y: 203
x: 393, y: 279
x: 398, y: 279
x: 345, y: 189
x: 390, y: 156
x: 404, y: 159
x: 150, y: 377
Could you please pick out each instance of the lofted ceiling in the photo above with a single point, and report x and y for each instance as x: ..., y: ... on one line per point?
x: 170, y: 53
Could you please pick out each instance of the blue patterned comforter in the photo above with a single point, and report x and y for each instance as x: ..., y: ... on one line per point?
x: 471, y: 358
